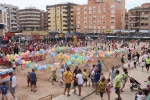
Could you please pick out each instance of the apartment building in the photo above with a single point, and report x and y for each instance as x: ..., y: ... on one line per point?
x: 100, y: 16
x: 12, y: 17
x: 3, y: 21
x: 31, y: 19
x: 62, y: 17
x: 139, y: 18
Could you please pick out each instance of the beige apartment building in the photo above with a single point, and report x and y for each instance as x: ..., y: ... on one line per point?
x: 61, y: 17
x: 12, y: 17
x: 139, y: 18
x: 3, y: 20
x: 31, y: 19
x: 100, y: 16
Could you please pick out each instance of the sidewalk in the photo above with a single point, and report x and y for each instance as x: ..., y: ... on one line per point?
x: 126, y: 95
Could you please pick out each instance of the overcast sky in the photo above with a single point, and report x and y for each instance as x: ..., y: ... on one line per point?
x: 41, y: 4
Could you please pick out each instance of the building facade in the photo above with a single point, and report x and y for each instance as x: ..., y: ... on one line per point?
x: 126, y: 21
x: 31, y: 19
x: 3, y: 20
x: 99, y: 16
x: 139, y: 18
x: 62, y: 17
x: 12, y: 17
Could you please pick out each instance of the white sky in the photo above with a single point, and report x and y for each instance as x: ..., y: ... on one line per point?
x: 41, y: 4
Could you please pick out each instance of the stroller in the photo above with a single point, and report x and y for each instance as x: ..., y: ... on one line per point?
x: 135, y: 84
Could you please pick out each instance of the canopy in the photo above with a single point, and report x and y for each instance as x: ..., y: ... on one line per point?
x: 5, y: 71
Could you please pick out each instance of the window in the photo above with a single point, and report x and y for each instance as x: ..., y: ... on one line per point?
x: 104, y: 22
x: 78, y: 22
x: 99, y: 7
x: 90, y: 17
x: 98, y: 17
x: 104, y: 27
x: 78, y: 8
x: 85, y: 8
x: 85, y: 13
x: 94, y: 8
x: 99, y: 22
x: 98, y: 27
x: 104, y: 6
x: 78, y: 30
x: 112, y: 6
x: 94, y: 27
x: 90, y: 12
x: 85, y: 22
x: 78, y: 13
x: 142, y: 13
x: 94, y: 12
x: 112, y: 16
x: 112, y: 22
x: 90, y: 8
x: 85, y: 17
x: 90, y: 22
x: 98, y: 31
x: 112, y: 27
x: 90, y: 27
x: 94, y: 22
x: 104, y: 11
x: 90, y: 31
x: 94, y: 31
x: 104, y: 17
x: 79, y: 17
x: 85, y: 26
x: 94, y: 17
x: 99, y: 12
x: 112, y: 11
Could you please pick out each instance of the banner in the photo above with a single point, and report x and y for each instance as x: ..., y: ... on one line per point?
x: 108, y: 31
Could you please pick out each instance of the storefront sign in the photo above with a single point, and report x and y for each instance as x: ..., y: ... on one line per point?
x: 35, y: 33
x: 37, y: 37
x: 108, y: 31
x: 143, y: 31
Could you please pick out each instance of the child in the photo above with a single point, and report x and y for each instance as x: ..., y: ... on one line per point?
x: 28, y: 79
x: 75, y: 84
x: 139, y: 96
x: 108, y: 88
x: 85, y: 77
x: 142, y: 64
x: 4, y: 89
x: 54, y: 77
x: 102, y: 87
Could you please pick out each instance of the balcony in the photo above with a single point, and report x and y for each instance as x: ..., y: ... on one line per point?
x: 134, y: 21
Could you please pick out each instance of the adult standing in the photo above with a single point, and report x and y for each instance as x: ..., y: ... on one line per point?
x: 68, y: 78
x: 16, y: 49
x: 13, y: 86
x: 118, y: 84
x: 129, y: 58
x: 33, y: 79
x: 112, y: 75
x: 96, y: 79
x: 79, y: 81
x: 92, y: 73
x: 147, y: 61
x: 61, y: 74
x: 124, y: 79
x: 99, y: 66
x: 122, y: 61
x: 75, y: 72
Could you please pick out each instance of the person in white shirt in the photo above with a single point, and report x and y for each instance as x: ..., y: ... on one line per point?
x: 13, y: 86
x: 145, y: 56
x: 61, y: 74
x: 79, y: 81
x: 139, y: 96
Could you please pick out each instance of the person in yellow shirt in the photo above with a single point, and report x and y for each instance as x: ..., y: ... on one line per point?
x: 67, y: 76
x: 147, y: 61
x: 84, y: 74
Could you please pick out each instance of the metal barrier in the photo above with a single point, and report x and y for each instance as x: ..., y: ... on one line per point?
x: 49, y: 97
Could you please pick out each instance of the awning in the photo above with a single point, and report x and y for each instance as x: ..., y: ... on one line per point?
x: 5, y: 38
